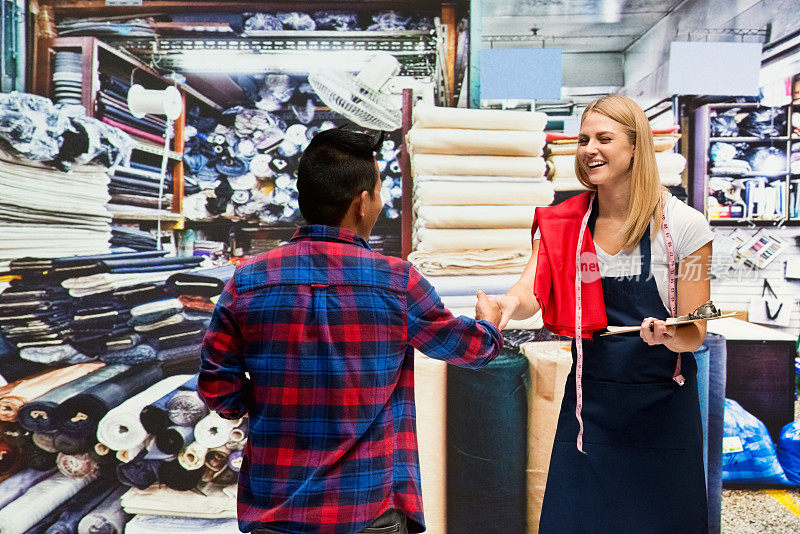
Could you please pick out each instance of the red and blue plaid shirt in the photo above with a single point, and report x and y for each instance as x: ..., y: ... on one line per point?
x: 315, y: 341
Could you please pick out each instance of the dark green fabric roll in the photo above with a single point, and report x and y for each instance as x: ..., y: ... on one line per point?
x: 487, y: 446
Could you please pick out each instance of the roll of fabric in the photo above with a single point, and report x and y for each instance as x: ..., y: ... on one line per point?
x: 28, y: 390
x: 225, y: 477
x: 19, y: 483
x: 154, y: 524
x: 77, y: 465
x: 173, y: 439
x: 562, y: 166
x: 107, y: 517
x: 102, y: 454
x: 39, y: 501
x: 235, y: 461
x: 717, y: 367
x: 156, y: 416
x: 427, y: 116
x: 192, y: 350
x: 525, y: 166
x: 186, y: 333
x: 701, y: 356
x: 45, y: 441
x: 487, y: 446
x: 475, y: 142
x: 120, y: 428
x: 212, y: 431
x: 81, y: 413
x: 482, y: 194
x: 126, y: 455
x: 474, y: 216
x: 549, y: 367
x: 469, y: 285
x: 470, y: 262
x: 81, y: 504
x: 73, y: 443
x: 175, y: 319
x: 193, y: 457
x: 40, y: 460
x: 418, y: 178
x: 154, y: 311
x: 49, y: 354
x: 186, y: 408
x: 435, y: 240
x: 202, y: 283
x: 38, y: 415
x: 430, y: 390
x: 238, y: 436
x: 173, y: 475
x: 138, y: 354
x: 16, y: 435
x: 139, y: 472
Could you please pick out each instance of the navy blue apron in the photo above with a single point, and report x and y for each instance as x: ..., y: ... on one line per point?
x: 643, y: 467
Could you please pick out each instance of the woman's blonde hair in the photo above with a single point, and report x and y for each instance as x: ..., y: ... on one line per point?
x: 646, y: 189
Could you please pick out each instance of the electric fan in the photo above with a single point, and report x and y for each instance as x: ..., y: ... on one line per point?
x: 360, y: 97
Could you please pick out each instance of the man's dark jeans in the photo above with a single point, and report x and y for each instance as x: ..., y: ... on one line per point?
x: 390, y: 522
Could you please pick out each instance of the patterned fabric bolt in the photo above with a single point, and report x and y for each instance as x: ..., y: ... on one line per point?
x: 326, y: 329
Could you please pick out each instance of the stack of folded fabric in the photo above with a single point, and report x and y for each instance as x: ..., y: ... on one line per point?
x: 478, y: 176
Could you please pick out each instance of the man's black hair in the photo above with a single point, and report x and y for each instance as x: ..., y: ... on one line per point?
x: 337, y: 165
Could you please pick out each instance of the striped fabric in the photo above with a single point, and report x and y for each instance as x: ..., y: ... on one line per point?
x: 325, y: 328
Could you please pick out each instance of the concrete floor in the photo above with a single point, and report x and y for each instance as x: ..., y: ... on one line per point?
x: 760, y: 510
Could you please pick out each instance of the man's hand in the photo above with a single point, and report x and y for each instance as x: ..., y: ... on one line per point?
x: 508, y: 305
x: 656, y: 332
x: 488, y: 310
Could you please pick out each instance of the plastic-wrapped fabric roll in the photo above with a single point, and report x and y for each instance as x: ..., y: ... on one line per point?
x: 139, y: 473
x: 120, y: 428
x: 487, y: 446
x: 427, y: 116
x: 470, y: 142
x: 434, y: 239
x: 39, y: 501
x: 524, y: 166
x: 173, y: 475
x: 173, y: 439
x: 77, y: 465
x: 193, y: 457
x: 38, y: 415
x: 212, y: 431
x: 40, y: 460
x: 483, y: 194
x: 17, y: 484
x: 475, y: 217
x: 107, y: 518
x: 81, y: 504
x: 430, y: 392
x: 81, y: 413
x: 549, y: 367
x: 155, y: 417
x: 717, y: 367
x: 186, y: 408
x: 72, y: 444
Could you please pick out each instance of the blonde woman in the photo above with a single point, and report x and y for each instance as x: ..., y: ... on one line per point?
x: 628, y: 450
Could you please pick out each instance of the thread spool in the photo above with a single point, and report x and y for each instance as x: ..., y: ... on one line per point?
x: 167, y: 102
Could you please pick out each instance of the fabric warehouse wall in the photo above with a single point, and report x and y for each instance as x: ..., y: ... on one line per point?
x: 736, y: 291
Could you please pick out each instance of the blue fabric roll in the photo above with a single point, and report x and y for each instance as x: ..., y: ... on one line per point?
x: 78, y: 506
x: 701, y: 355
x: 716, y: 414
x: 139, y: 354
x: 155, y: 417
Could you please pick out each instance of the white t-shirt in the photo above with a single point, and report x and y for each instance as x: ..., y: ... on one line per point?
x: 689, y: 230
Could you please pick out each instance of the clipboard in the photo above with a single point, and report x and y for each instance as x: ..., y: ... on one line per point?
x: 677, y: 321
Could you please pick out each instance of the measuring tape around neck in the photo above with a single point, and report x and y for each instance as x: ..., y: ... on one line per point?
x: 673, y: 293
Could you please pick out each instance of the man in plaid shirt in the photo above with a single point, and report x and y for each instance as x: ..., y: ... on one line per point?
x: 315, y: 341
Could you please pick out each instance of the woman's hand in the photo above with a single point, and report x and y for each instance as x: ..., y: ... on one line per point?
x: 508, y: 305
x: 656, y: 332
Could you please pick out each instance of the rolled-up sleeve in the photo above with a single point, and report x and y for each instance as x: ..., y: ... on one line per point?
x: 437, y: 333
x: 222, y: 382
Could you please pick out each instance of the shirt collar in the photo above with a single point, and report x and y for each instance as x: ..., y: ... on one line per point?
x: 320, y: 232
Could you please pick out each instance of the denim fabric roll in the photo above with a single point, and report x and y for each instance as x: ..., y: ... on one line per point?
x: 156, y: 416
x: 717, y: 346
x: 151, y: 312
x: 16, y: 485
x: 487, y: 446
x: 235, y: 461
x: 139, y: 472
x: 73, y: 443
x: 173, y: 439
x: 191, y: 350
x: 120, y: 428
x: 35, y: 387
x: 45, y: 441
x: 213, y: 431
x: 107, y: 518
x: 186, y: 408
x: 202, y: 283
x: 173, y: 475
x: 81, y: 413
x: 40, y: 460
x: 138, y: 354
x: 81, y: 504
x: 38, y: 415
x: 38, y: 502
x: 154, y: 453
x: 77, y: 465
x: 193, y: 457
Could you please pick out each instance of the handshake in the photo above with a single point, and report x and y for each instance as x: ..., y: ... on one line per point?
x: 497, y: 309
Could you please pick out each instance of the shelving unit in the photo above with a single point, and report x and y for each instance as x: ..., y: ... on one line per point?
x: 765, y: 195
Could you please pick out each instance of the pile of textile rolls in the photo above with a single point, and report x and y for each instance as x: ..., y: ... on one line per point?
x: 478, y: 176
x: 100, y: 397
x: 561, y: 150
